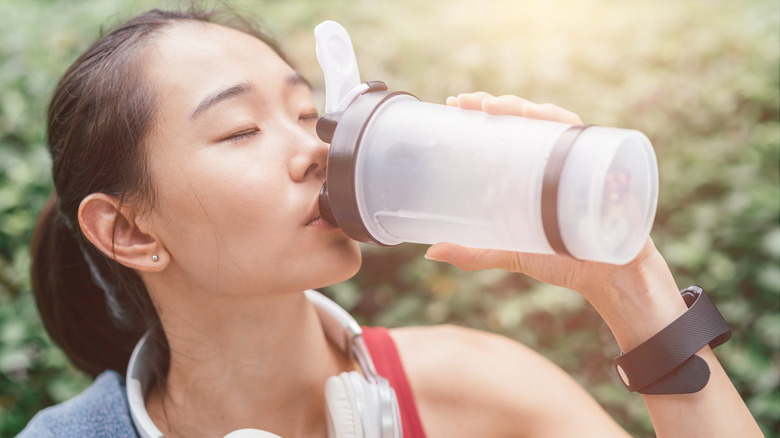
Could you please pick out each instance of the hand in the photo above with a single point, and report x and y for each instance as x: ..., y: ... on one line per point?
x: 619, y: 293
x: 554, y: 269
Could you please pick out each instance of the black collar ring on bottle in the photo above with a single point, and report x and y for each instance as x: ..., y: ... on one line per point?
x: 344, y: 131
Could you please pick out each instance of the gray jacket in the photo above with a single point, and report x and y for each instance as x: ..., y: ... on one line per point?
x: 100, y: 411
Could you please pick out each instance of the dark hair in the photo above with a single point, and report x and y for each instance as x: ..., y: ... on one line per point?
x: 100, y: 116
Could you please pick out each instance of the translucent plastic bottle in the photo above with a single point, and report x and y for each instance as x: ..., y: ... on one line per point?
x: 402, y: 170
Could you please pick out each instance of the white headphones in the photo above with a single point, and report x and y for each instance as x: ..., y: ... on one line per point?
x: 357, y: 406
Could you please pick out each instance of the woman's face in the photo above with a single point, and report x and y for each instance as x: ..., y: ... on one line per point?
x: 237, y: 166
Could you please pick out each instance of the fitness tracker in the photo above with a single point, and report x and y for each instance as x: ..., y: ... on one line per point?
x: 667, y: 362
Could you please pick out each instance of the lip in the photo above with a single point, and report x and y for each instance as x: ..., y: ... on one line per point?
x: 321, y: 223
x: 315, y: 219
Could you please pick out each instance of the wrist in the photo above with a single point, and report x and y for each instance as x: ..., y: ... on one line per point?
x: 638, y: 301
x: 668, y: 363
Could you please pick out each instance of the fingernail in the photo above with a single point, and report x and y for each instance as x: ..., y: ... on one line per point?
x: 429, y: 257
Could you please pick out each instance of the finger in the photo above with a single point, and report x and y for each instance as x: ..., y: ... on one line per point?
x: 550, y: 268
x: 506, y: 105
x: 548, y: 111
x: 472, y: 259
x: 472, y: 101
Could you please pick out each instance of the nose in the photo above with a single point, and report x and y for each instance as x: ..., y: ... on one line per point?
x: 311, y: 157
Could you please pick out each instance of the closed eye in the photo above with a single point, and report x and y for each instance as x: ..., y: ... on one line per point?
x: 241, y: 135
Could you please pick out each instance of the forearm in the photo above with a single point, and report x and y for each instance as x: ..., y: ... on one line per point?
x: 715, y: 411
x: 636, y: 307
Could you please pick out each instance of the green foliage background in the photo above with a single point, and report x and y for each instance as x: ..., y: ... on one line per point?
x: 700, y: 77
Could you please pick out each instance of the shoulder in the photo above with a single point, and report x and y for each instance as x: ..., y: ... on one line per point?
x: 101, y: 410
x: 472, y: 383
x: 442, y: 352
x: 457, y: 363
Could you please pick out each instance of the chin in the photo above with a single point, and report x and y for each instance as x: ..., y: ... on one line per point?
x: 343, y: 266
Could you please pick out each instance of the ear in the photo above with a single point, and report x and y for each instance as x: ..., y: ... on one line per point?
x: 117, y: 234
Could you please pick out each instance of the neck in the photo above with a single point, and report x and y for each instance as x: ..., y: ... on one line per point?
x: 257, y: 361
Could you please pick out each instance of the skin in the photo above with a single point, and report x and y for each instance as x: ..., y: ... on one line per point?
x: 245, y: 173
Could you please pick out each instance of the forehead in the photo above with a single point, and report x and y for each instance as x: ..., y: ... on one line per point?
x: 190, y: 59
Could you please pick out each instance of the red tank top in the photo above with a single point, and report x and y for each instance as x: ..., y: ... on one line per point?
x: 388, y: 365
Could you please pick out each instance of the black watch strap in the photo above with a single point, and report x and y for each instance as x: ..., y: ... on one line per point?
x: 667, y: 362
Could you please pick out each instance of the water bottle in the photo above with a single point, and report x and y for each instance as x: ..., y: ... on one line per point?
x: 402, y: 170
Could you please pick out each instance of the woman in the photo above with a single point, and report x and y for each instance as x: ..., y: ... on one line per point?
x: 187, y: 168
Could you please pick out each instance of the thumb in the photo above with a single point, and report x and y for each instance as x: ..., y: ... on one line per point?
x: 472, y: 259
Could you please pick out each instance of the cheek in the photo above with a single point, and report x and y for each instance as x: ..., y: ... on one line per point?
x: 216, y: 209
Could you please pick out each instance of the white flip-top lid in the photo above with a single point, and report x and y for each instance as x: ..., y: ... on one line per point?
x: 339, y: 66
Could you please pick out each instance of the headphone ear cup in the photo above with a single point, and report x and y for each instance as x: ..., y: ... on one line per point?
x: 343, y: 414
x: 362, y: 409
x: 391, y: 425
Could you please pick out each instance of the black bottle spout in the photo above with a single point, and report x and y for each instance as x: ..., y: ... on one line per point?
x: 325, y: 211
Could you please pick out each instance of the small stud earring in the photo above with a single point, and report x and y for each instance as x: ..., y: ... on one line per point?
x: 155, y: 258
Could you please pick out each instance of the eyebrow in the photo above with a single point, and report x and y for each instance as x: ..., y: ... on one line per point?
x: 245, y: 87
x: 228, y: 93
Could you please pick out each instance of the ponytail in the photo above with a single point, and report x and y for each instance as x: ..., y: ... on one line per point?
x: 73, y: 308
